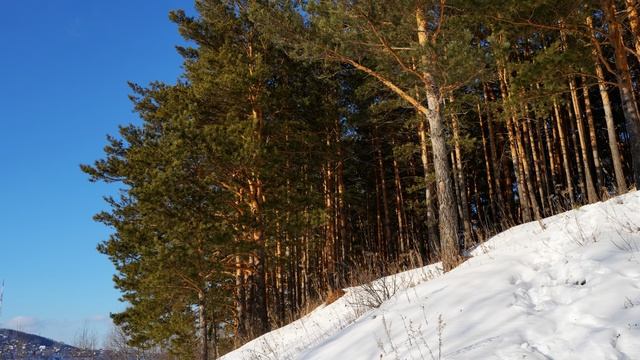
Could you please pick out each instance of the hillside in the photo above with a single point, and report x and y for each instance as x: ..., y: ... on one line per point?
x: 565, y: 287
x: 17, y: 345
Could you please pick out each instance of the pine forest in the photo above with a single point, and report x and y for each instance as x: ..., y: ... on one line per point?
x: 309, y: 146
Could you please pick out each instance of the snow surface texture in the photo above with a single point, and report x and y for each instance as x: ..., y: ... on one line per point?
x: 567, y: 287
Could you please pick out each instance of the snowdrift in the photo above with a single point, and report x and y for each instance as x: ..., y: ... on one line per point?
x: 567, y: 287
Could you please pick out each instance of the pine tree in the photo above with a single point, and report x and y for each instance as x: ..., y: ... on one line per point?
x: 311, y: 146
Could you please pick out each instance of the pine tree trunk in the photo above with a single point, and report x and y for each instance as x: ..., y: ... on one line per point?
x: 259, y: 302
x: 385, y: 198
x: 577, y: 151
x: 256, y: 198
x: 380, y: 237
x: 241, y: 314
x: 608, y: 116
x: 493, y: 144
x: 515, y: 145
x: 447, y: 213
x: 539, y: 176
x: 564, y: 150
x: 342, y: 216
x: 279, y: 276
x: 592, y: 135
x: 543, y: 157
x: 428, y: 192
x: 524, y: 162
x: 488, y: 165
x: 329, y: 230
x: 592, y: 196
x: 555, y: 140
x: 462, y: 184
x: 203, y: 326
x: 523, y: 197
x: 548, y: 130
x: 402, y: 235
x: 448, y: 216
x: 629, y: 106
x: 215, y: 340
x: 548, y: 155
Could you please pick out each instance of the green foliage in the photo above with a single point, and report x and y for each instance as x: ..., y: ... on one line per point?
x: 273, y: 164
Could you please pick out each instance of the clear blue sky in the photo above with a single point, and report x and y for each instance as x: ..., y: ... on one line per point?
x: 64, y: 65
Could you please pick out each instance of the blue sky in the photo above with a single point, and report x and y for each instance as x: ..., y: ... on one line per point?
x: 64, y: 65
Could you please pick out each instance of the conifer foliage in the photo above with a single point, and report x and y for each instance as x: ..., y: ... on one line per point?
x: 307, y: 143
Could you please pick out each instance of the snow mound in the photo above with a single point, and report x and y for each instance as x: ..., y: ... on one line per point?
x: 566, y: 287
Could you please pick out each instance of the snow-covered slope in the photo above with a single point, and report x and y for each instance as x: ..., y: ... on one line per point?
x: 567, y: 287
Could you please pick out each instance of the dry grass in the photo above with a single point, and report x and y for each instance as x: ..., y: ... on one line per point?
x: 334, y: 295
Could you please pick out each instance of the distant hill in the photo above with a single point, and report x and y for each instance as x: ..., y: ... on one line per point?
x: 17, y: 345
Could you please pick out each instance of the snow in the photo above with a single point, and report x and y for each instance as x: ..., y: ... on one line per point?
x: 566, y: 287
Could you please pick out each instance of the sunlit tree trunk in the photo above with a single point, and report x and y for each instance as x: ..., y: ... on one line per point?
x: 608, y: 114
x: 623, y: 74
x: 448, y: 217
